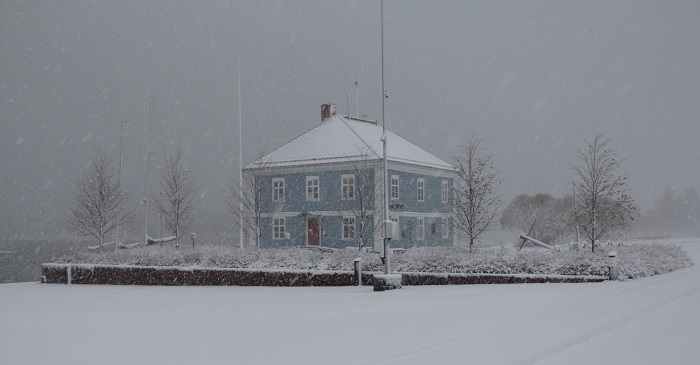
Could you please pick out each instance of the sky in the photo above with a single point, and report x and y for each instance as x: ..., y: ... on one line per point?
x: 532, y: 79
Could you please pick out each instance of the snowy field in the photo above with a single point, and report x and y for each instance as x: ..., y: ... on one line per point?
x: 653, y: 320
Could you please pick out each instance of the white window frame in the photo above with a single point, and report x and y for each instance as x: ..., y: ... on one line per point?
x: 420, y: 189
x: 445, y: 228
x: 394, y: 178
x: 348, y: 222
x: 444, y: 185
x: 279, y: 228
x: 347, y: 189
x: 278, y: 191
x: 315, y: 193
x: 420, y: 228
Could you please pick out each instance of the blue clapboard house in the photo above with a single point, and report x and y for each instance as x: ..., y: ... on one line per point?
x: 325, y: 188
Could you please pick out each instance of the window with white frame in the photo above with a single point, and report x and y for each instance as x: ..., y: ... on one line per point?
x: 445, y: 228
x: 421, y: 190
x: 394, y: 186
x: 312, y: 188
x: 278, y: 228
x: 420, y: 228
x: 347, y: 183
x: 348, y: 228
x: 278, y: 189
x: 445, y: 192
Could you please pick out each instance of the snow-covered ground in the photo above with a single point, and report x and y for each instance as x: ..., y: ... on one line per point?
x: 653, y: 320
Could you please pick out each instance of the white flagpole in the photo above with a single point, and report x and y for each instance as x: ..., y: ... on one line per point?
x: 240, y: 157
x: 387, y: 253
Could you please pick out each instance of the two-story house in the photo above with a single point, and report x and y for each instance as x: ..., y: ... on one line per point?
x: 325, y: 188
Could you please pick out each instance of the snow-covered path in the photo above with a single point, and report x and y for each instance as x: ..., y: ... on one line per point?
x: 648, y: 321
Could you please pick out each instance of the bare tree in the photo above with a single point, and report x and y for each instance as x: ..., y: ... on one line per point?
x: 248, y: 204
x: 474, y: 200
x: 100, y: 202
x: 360, y: 203
x: 602, y: 202
x: 178, y: 200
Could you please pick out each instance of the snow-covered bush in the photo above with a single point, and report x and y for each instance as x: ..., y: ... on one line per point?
x: 634, y: 260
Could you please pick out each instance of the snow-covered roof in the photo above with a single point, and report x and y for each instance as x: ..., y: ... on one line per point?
x: 347, y: 139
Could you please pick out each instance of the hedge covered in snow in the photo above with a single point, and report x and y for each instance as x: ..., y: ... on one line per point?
x: 634, y: 260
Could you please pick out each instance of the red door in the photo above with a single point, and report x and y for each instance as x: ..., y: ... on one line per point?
x: 314, y: 231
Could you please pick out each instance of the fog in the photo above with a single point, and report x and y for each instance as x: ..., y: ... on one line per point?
x: 532, y: 79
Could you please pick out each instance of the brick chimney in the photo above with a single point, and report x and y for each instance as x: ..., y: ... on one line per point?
x: 327, y: 110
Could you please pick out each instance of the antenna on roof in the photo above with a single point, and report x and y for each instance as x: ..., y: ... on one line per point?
x: 357, y: 99
x: 347, y: 95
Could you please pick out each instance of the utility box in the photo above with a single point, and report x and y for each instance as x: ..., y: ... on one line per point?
x: 391, y: 229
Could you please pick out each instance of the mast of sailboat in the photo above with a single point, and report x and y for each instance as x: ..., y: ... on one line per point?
x: 151, y: 111
x: 240, y: 158
x: 119, y: 181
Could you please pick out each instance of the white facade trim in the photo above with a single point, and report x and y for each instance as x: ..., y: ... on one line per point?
x: 315, y: 188
x: 342, y: 228
x: 396, y: 178
x: 420, y: 228
x: 416, y: 214
x: 351, y: 188
x: 420, y: 189
x: 335, y: 166
x: 274, y: 188
x: 328, y: 213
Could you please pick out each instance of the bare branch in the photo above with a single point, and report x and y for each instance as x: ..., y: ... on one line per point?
x: 603, y: 205
x: 474, y: 200
x: 100, y: 203
x: 360, y: 203
x: 247, y: 207
x: 179, y: 198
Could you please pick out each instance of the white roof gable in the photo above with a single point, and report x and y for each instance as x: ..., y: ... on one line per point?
x: 343, y: 139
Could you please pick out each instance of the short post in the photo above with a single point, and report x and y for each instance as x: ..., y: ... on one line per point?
x: 612, y: 262
x: 357, y: 272
x: 69, y: 274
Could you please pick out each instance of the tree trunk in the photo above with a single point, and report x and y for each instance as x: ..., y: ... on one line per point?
x: 177, y: 237
x: 362, y: 238
x: 257, y: 234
